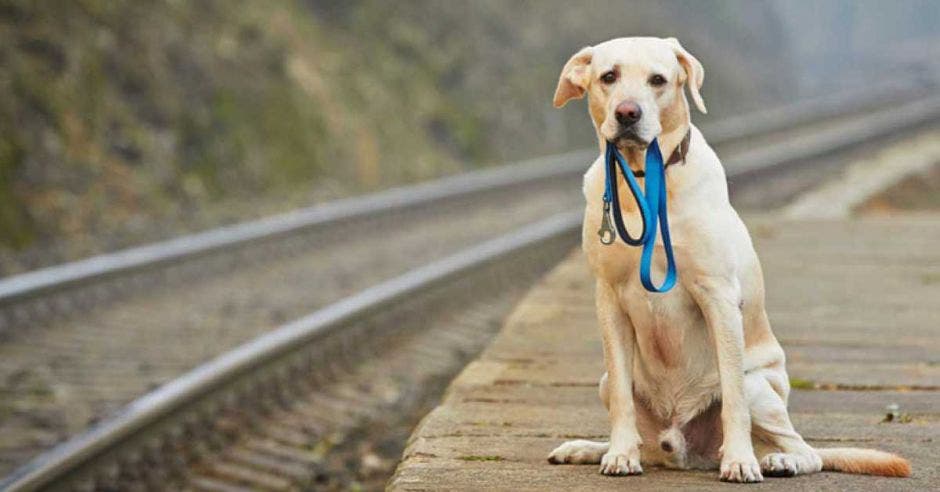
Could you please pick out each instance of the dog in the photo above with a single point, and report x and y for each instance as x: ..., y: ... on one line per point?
x: 695, y: 371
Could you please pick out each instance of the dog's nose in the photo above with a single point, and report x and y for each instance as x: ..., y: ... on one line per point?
x: 628, y: 113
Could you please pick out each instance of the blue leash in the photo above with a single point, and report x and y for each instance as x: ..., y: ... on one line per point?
x: 652, y: 206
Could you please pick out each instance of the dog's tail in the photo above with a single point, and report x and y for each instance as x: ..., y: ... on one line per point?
x: 864, y: 461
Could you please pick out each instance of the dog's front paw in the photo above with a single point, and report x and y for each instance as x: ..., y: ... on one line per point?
x: 620, y: 463
x: 741, y: 469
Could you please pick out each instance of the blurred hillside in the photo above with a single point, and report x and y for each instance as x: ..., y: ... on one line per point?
x: 126, y: 121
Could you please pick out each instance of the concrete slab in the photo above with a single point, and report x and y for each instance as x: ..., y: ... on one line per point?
x: 516, y: 463
x: 859, y: 322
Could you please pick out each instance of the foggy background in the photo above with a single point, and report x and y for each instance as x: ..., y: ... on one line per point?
x: 128, y: 121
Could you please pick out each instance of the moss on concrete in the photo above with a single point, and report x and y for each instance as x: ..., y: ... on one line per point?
x: 481, y: 458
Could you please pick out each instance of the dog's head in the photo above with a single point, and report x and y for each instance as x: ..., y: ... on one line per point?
x: 634, y: 87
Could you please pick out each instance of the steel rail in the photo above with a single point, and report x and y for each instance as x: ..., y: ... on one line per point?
x: 48, y: 280
x: 897, y: 119
x: 43, y: 282
x: 260, y: 355
x: 267, y: 348
x: 815, y: 109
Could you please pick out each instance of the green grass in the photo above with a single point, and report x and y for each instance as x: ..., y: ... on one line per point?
x: 482, y: 458
x: 804, y: 384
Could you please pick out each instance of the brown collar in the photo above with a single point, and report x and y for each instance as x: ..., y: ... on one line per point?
x: 677, y: 156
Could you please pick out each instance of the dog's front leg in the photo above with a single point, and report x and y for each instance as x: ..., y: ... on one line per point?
x: 719, y: 300
x: 623, y: 456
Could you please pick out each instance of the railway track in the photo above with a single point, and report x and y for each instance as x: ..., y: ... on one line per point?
x: 272, y: 414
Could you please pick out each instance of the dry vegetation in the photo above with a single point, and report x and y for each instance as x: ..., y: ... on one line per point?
x: 126, y: 121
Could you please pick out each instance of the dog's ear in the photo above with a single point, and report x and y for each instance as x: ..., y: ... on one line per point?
x: 695, y: 74
x: 574, y: 77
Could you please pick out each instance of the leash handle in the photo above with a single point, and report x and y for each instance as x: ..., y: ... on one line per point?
x: 652, y: 206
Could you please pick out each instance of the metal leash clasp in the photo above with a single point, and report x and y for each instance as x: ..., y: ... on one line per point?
x: 606, y: 232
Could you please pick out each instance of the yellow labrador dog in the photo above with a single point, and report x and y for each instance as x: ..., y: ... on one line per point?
x: 695, y: 373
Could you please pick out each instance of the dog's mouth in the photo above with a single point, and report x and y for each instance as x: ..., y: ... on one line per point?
x: 630, y: 139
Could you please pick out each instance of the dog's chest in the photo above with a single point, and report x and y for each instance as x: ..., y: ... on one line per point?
x: 667, y: 326
x: 675, y: 366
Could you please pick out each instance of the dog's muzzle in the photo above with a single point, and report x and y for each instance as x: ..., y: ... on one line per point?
x: 628, y: 114
x: 628, y: 137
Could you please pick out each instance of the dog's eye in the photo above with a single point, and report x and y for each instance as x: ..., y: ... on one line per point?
x: 609, y: 77
x: 657, y: 80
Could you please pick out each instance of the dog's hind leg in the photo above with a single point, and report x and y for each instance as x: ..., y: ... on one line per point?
x: 784, y: 452
x: 592, y: 452
x: 579, y: 452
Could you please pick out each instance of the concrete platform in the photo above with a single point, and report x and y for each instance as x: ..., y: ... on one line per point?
x: 855, y: 303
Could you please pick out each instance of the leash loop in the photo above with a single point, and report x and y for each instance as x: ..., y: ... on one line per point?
x: 611, y: 196
x: 652, y: 206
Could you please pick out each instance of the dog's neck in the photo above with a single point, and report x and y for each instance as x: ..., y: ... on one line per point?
x: 669, y: 140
